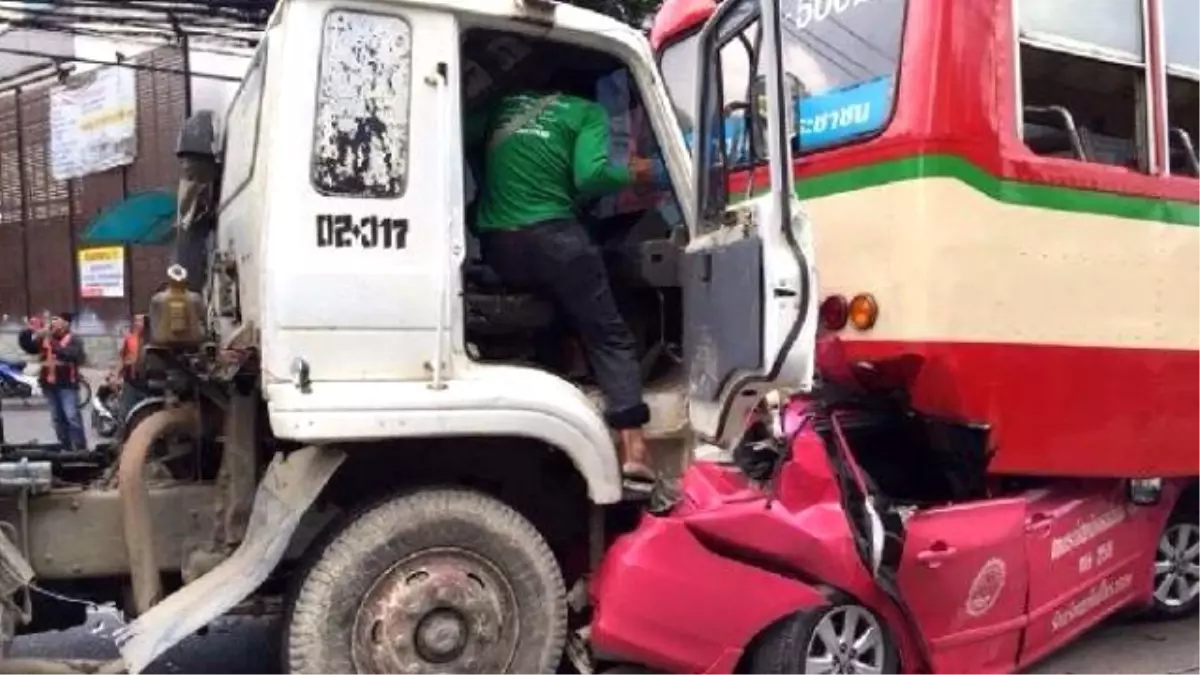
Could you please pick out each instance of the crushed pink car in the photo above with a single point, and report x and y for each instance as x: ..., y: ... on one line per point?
x: 852, y: 534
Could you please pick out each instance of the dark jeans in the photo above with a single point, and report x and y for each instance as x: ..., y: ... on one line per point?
x: 557, y: 259
x: 64, y: 411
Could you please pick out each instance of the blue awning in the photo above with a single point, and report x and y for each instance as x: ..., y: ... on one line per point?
x: 142, y: 218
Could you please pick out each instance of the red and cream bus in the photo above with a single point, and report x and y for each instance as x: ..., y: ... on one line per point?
x: 1007, y: 189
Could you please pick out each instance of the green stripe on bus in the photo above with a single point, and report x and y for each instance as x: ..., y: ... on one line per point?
x: 1009, y: 191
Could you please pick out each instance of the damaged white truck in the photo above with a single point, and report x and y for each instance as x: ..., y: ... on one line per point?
x: 349, y: 416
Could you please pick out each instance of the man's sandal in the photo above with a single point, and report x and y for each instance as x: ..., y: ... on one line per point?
x: 638, y: 478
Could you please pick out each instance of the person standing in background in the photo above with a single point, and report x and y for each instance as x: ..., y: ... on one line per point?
x: 61, y: 356
x: 128, y: 355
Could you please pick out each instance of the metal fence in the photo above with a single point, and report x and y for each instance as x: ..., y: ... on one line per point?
x: 41, y: 220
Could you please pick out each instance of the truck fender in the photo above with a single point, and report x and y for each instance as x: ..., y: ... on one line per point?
x: 289, y: 487
x: 496, y: 401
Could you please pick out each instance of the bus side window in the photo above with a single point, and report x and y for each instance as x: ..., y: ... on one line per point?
x: 1181, y: 47
x: 1095, y: 68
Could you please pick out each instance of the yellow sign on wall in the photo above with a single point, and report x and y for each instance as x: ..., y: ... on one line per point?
x: 102, y: 272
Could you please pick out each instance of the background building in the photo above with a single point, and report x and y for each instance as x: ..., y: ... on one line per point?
x: 42, y: 219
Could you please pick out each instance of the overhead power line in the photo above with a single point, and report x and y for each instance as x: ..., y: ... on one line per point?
x: 123, y: 63
x: 235, y: 22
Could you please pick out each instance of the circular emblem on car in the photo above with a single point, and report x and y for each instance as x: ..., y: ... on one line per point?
x: 985, y: 590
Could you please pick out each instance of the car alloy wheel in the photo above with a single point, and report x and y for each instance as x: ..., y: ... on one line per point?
x: 847, y: 639
x: 1177, y: 565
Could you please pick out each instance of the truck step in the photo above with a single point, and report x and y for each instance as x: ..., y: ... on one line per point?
x: 668, y: 408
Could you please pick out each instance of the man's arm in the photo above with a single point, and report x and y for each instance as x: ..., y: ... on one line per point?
x: 72, y: 352
x: 29, y: 341
x: 593, y: 173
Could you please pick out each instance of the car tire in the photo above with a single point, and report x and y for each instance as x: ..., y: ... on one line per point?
x: 1176, y: 591
x: 445, y: 580
x: 803, y: 643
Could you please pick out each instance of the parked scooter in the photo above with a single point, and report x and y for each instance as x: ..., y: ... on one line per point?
x: 14, y: 383
x: 105, y: 409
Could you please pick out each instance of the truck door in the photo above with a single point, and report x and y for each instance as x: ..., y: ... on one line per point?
x: 748, y: 282
x: 364, y: 173
x: 1086, y: 556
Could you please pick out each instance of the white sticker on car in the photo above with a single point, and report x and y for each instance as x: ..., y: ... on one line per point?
x: 1096, y: 596
x: 986, y: 588
x: 1086, y: 531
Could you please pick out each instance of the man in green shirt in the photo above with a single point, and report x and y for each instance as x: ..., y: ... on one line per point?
x: 545, y: 151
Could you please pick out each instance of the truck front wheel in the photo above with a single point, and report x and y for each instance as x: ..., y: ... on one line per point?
x: 445, y: 580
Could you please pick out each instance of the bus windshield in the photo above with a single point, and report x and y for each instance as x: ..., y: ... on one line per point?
x: 842, y: 55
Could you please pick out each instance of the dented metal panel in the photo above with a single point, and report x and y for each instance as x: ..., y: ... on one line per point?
x: 361, y: 146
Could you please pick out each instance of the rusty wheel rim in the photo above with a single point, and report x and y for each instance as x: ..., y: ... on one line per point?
x: 444, y: 610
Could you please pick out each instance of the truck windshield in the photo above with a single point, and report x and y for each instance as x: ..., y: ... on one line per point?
x: 842, y: 55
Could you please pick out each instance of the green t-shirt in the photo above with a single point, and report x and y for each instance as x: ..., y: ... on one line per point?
x: 542, y: 168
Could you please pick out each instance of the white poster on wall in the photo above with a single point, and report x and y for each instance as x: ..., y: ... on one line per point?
x: 93, y: 124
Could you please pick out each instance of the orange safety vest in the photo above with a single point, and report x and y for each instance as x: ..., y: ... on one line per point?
x: 50, y: 364
x: 130, y: 348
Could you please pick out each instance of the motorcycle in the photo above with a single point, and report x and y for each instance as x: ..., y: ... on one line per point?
x: 14, y: 383
x: 105, y: 410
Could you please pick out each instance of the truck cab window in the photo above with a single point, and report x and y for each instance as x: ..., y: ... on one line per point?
x: 1181, y: 35
x: 241, y: 127
x: 361, y: 143
x: 1083, y: 81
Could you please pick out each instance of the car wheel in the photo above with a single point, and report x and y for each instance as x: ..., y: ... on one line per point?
x: 841, y: 638
x: 1177, y: 568
x: 445, y: 581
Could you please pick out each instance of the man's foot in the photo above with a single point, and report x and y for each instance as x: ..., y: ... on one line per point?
x: 635, y: 472
x: 637, y: 481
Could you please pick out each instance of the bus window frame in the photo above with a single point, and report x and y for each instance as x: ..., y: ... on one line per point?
x: 1162, y: 80
x: 1156, y: 137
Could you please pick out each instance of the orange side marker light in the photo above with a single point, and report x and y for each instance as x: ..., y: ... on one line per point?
x: 864, y: 311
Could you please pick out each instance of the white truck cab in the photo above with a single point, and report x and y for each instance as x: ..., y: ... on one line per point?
x: 343, y: 208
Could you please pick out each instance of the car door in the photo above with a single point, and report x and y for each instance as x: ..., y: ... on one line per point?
x: 964, y: 577
x: 1086, y: 555
x: 957, y: 573
x: 748, y: 284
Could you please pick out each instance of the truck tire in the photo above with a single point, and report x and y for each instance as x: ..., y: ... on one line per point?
x: 444, y: 580
x: 843, y: 637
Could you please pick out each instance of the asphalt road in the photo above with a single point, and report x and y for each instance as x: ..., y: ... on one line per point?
x: 240, y: 645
